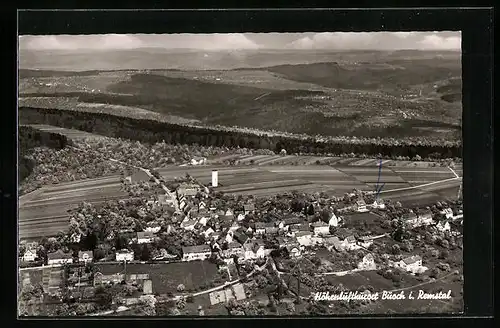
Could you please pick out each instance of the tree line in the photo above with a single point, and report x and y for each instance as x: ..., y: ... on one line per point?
x: 152, y: 131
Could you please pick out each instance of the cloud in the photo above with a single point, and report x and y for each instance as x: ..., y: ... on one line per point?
x: 434, y: 41
x: 123, y: 41
x: 377, y: 40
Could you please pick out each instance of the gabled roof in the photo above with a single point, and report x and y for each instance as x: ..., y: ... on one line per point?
x: 319, y: 224
x: 196, y: 249
x: 412, y: 259
x: 303, y: 233
x: 350, y: 239
x: 59, y: 255
x: 124, y: 251
x: 292, y: 220
x: 145, y: 234
x: 408, y: 216
x: 425, y: 213
x: 241, y: 237
x: 249, y: 207
x: 233, y: 245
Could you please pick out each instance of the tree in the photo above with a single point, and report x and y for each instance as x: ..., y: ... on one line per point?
x: 396, y: 250
x: 145, y: 253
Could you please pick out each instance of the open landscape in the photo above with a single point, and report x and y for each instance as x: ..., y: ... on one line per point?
x: 240, y: 174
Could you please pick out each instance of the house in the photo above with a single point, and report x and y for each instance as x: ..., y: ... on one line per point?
x: 235, y: 226
x: 29, y: 255
x: 59, y: 257
x: 378, y: 204
x: 203, y: 219
x: 145, y: 237
x: 124, y: 255
x: 361, y: 206
x: 229, y: 212
x: 321, y: 228
x: 365, y: 241
x: 254, y: 249
x: 198, y: 161
x: 447, y: 212
x: 271, y: 230
x: 233, y: 248
x: 206, y: 231
x: 443, y: 226
x: 153, y: 227
x: 240, y: 217
x: 188, y: 224
x: 240, y: 237
x: 139, y: 176
x: 410, y: 219
x: 334, y: 221
x: 411, y: 264
x: 334, y: 243
x: 425, y: 217
x: 304, y: 238
x: 293, y: 250
x: 202, y: 205
x: 260, y: 227
x: 368, y: 263
x: 350, y: 243
x: 165, y: 200
x: 286, y: 223
x: 200, y: 252
x: 162, y: 255
x: 85, y: 256
x: 249, y: 208
x: 226, y: 220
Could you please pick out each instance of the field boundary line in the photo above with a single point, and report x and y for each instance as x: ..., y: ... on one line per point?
x: 416, y: 187
x: 453, y: 171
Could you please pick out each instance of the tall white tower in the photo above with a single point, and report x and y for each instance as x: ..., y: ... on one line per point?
x: 215, y: 178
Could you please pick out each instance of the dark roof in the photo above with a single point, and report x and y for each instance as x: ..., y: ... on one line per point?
x: 264, y: 225
x: 425, y: 212
x: 410, y: 215
x: 292, y: 220
x: 412, y: 259
x: 196, y: 249
x: 59, y: 255
x: 145, y: 234
x: 240, y: 237
x: 234, y: 245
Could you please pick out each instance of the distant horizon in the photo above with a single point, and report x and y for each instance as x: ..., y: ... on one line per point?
x: 324, y: 41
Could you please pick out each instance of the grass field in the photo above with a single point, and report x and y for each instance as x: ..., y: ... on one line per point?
x: 166, y: 277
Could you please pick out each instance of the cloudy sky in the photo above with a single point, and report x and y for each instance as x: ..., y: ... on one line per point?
x: 234, y: 41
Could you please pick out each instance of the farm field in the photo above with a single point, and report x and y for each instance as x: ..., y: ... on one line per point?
x: 166, y: 277
x: 45, y: 212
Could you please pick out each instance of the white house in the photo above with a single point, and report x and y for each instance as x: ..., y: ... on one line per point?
x: 29, y: 255
x: 203, y: 219
x: 365, y: 241
x: 85, y: 256
x: 368, y: 263
x: 152, y: 227
x: 412, y: 264
x: 379, y: 204
x: 240, y: 217
x: 229, y: 212
x: 233, y: 248
x: 188, y: 224
x: 410, y: 220
x: 59, y: 257
x: 202, y: 205
x: 200, y: 252
x: 254, y: 249
x: 425, y: 218
x: 334, y: 221
x: 361, y: 206
x: 350, y: 243
x: 249, y: 208
x: 260, y: 228
x: 198, y: 161
x: 145, y: 237
x: 304, y: 238
x: 124, y: 255
x: 321, y: 228
x: 293, y: 250
x: 207, y: 231
x: 448, y: 212
x: 443, y: 226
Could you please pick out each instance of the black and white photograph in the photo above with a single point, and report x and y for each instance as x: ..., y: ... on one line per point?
x: 240, y: 174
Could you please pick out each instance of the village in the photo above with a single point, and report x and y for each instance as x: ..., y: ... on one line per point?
x: 189, y: 222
